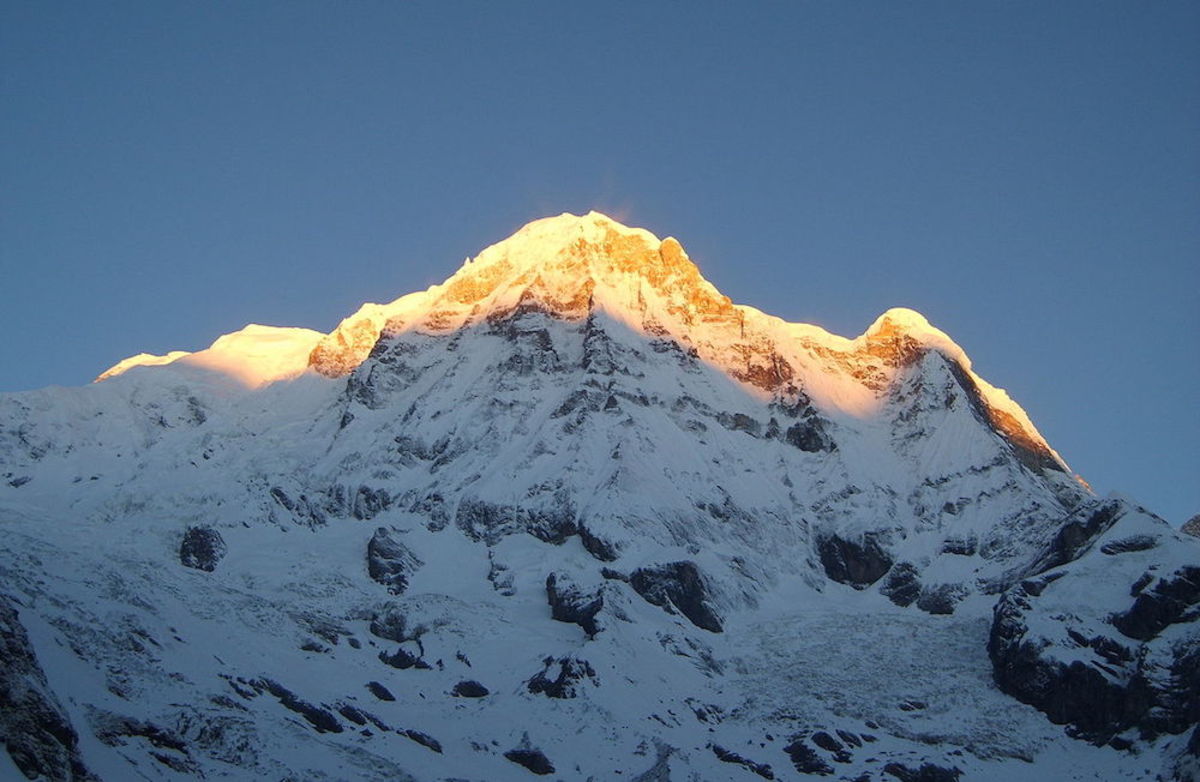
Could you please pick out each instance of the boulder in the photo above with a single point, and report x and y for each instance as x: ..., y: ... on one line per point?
x: 202, y: 548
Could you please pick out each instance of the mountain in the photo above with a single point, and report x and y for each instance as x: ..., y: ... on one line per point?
x: 575, y: 513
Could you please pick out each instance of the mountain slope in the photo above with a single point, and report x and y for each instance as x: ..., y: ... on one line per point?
x: 573, y: 508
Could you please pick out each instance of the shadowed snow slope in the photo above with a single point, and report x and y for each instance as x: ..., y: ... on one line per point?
x: 574, y: 509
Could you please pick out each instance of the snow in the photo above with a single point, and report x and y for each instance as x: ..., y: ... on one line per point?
x: 254, y: 357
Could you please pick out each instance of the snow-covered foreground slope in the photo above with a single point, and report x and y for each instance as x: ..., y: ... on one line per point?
x: 573, y: 512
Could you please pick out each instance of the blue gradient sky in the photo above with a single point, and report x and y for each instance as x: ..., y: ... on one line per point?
x: 1025, y: 174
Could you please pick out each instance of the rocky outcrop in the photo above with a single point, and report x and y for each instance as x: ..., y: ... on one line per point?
x: 855, y: 562
x: 489, y: 522
x: 1110, y: 642
x: 1173, y: 598
x: 35, y: 729
x: 805, y: 759
x: 729, y: 756
x: 1080, y: 530
x: 562, y: 677
x: 1192, y: 526
x: 532, y: 758
x: 902, y: 585
x: 319, y: 717
x: 390, y: 562
x: 202, y: 548
x: 469, y: 688
x: 569, y: 603
x: 677, y: 586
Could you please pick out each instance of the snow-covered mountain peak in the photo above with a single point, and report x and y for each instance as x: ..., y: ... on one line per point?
x: 567, y: 265
x: 254, y: 356
x: 574, y: 491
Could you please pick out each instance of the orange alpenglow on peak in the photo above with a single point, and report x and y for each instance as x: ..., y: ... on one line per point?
x: 573, y: 267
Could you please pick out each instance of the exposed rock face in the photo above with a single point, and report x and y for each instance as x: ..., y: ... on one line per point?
x: 903, y: 584
x: 390, y: 562
x: 805, y: 758
x: 569, y: 603
x: 1110, y: 664
x: 562, y: 678
x: 858, y: 563
x: 677, y: 586
x: 469, y: 688
x: 532, y: 758
x: 33, y: 726
x: 1192, y: 526
x: 1174, y: 597
x: 202, y: 548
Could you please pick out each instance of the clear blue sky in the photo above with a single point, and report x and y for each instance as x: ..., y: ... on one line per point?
x: 1025, y: 174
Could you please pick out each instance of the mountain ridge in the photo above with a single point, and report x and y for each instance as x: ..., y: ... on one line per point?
x: 572, y: 265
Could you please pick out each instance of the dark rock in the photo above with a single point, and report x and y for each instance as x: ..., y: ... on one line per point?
x: 1192, y: 526
x: 1035, y: 586
x: 927, y: 772
x: 489, y: 522
x: 369, y: 502
x: 1131, y: 543
x: 941, y: 599
x: 36, y: 730
x: 739, y: 422
x: 827, y: 742
x: 1108, y: 694
x: 1076, y: 534
x: 390, y: 562
x: 202, y: 548
x: 850, y: 738
x: 726, y: 756
x: 831, y: 745
x: 530, y: 758
x: 424, y: 739
x: 599, y: 548
x: 1171, y: 600
x: 469, y: 688
x: 380, y: 692
x: 858, y: 563
x: 356, y: 716
x: 809, y: 435
x: 319, y: 718
x: 963, y: 547
x: 902, y: 585
x: 404, y: 658
x: 677, y: 586
x: 569, y: 603
x: 392, y: 625
x: 560, y: 678
x: 805, y: 758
